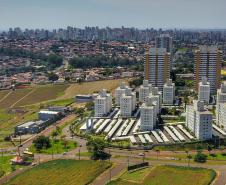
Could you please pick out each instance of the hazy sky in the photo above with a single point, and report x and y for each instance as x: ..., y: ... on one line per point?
x: 114, y: 13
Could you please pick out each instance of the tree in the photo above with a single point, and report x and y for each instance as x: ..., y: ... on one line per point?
x: 209, y: 148
x: 42, y: 142
x: 200, y: 157
x: 54, y: 61
x: 96, y: 147
x: 53, y: 77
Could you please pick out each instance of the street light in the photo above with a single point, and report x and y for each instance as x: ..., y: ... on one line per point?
x: 79, y: 151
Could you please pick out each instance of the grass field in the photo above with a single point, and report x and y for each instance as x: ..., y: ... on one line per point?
x: 167, y: 175
x: 5, y: 163
x: 62, y: 172
x: 57, y: 147
x: 22, y: 105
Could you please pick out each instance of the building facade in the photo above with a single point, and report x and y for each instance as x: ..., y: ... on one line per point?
x: 127, y: 103
x: 199, y: 120
x: 204, y: 91
x: 168, y: 92
x: 119, y: 92
x: 221, y: 106
x: 157, y: 67
x: 144, y: 91
x: 208, y: 64
x: 148, y: 114
x: 102, y: 103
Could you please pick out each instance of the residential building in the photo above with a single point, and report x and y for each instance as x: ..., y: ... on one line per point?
x: 208, y: 64
x: 127, y: 103
x: 119, y: 91
x: 103, y: 104
x: 199, y: 120
x: 221, y: 105
x: 168, y: 92
x: 165, y: 41
x: 204, y: 91
x: 144, y: 91
x: 148, y: 114
x: 157, y: 67
x: 157, y: 97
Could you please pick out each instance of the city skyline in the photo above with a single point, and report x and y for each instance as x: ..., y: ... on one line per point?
x: 201, y: 14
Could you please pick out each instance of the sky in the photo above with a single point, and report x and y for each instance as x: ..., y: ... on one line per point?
x: 50, y: 14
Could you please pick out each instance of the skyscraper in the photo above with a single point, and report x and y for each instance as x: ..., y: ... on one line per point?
x: 165, y: 41
x: 208, y: 64
x: 157, y: 67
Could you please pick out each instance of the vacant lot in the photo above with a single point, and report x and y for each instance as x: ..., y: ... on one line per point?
x: 167, y: 175
x: 62, y: 172
x: 90, y: 87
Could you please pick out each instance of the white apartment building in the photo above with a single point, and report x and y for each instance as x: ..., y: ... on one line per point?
x: 144, y: 91
x: 119, y: 91
x: 199, y: 120
x: 208, y: 61
x: 168, y: 92
x: 221, y: 105
x: 127, y: 103
x: 157, y: 97
x: 157, y: 67
x: 204, y: 90
x: 102, y: 103
x: 148, y: 114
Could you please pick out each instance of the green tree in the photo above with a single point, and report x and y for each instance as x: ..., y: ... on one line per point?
x: 96, y: 147
x: 53, y: 77
x: 42, y: 142
x: 200, y: 157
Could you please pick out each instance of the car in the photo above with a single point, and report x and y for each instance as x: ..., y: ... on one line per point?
x: 33, y: 164
x: 64, y: 153
x: 141, y: 154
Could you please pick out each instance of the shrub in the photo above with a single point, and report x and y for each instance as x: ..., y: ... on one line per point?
x: 200, y: 157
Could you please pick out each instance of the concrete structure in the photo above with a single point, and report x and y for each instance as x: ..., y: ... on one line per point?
x: 157, y: 67
x: 168, y: 92
x: 204, y: 91
x: 119, y: 91
x: 103, y: 104
x: 199, y: 120
x: 208, y: 64
x: 221, y: 106
x: 144, y: 91
x: 47, y: 115
x: 31, y: 127
x: 165, y: 41
x: 148, y: 114
x: 85, y: 98
x: 127, y: 103
x: 157, y: 97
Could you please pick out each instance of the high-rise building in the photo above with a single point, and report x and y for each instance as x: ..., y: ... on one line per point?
x: 144, y: 91
x: 221, y: 105
x: 148, y: 114
x: 103, y: 104
x: 127, y: 103
x: 157, y: 67
x: 165, y: 41
x: 204, y: 90
x: 208, y: 64
x: 119, y: 91
x: 168, y: 92
x: 199, y: 120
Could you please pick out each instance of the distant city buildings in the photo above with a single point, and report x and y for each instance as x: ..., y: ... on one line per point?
x: 208, y: 64
x: 102, y: 103
x: 199, y: 120
x: 168, y: 92
x: 157, y: 67
x: 204, y: 91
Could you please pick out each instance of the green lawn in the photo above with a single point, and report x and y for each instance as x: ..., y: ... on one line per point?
x: 61, y: 172
x: 84, y: 154
x: 167, y: 175
x: 57, y: 147
x: 5, y: 164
